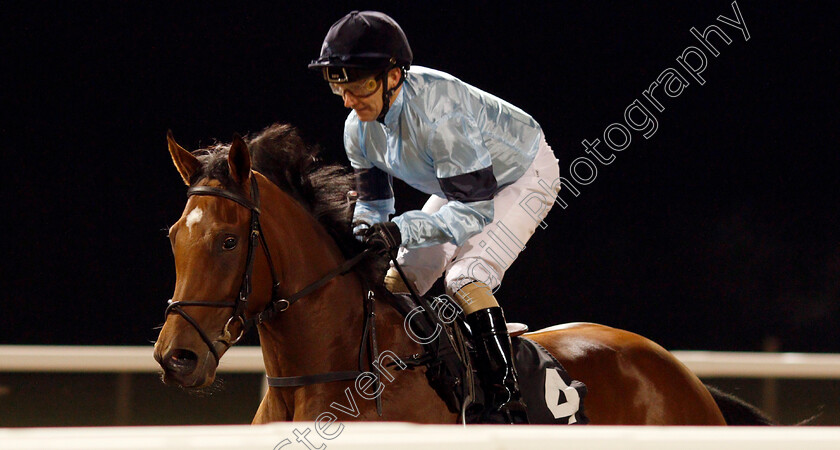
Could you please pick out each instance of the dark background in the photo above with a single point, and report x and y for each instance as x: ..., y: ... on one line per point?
x: 719, y: 231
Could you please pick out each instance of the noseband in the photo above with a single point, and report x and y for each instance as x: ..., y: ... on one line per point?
x: 240, y: 304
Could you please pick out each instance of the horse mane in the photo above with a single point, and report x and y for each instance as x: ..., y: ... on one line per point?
x: 280, y: 154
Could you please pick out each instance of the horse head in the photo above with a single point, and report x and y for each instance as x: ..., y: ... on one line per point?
x: 214, y: 243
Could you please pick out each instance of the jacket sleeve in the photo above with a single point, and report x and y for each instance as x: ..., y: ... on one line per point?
x: 376, y: 195
x: 464, y: 171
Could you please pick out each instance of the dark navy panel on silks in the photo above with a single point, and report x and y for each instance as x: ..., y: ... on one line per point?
x: 473, y: 186
x: 550, y: 393
x: 373, y: 184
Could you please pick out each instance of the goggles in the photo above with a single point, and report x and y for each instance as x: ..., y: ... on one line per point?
x: 364, y: 83
x: 361, y: 89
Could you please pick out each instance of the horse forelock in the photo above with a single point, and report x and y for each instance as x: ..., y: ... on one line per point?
x: 214, y: 167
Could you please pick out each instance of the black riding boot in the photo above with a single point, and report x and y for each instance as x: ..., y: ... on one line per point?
x: 503, y: 403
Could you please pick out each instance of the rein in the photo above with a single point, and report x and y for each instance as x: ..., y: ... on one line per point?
x: 277, y: 304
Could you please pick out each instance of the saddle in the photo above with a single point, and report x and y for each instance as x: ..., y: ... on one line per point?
x: 551, y: 395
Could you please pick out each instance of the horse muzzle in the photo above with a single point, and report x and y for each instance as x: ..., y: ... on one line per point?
x: 186, y: 368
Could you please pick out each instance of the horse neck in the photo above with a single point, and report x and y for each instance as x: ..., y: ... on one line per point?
x: 322, y: 331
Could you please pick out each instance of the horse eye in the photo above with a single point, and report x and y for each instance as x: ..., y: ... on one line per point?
x: 229, y: 243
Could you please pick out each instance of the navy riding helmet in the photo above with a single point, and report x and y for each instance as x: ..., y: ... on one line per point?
x: 361, y: 45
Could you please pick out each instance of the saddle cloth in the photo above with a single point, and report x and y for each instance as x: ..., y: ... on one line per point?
x: 551, y: 395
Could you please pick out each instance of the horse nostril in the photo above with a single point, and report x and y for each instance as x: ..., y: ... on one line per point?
x: 182, y: 361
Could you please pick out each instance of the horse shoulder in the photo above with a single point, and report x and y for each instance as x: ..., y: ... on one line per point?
x: 406, y: 394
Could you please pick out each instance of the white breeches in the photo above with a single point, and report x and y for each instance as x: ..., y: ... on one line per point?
x: 518, y: 209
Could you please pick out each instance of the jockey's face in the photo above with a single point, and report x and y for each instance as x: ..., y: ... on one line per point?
x: 368, y: 107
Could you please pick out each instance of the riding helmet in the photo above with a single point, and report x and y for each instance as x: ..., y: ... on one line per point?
x: 362, y: 43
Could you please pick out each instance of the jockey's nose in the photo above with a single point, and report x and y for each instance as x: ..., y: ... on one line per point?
x: 350, y: 100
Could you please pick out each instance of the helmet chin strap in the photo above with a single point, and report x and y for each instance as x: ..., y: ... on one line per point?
x: 387, y: 93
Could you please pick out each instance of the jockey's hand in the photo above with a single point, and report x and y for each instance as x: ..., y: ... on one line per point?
x: 383, y: 238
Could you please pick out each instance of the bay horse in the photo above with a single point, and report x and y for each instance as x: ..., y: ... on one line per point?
x: 271, y: 223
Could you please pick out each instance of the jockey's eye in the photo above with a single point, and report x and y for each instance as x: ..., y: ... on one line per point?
x: 229, y: 243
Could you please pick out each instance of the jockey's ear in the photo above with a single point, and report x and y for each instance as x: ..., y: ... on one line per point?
x: 185, y: 162
x: 239, y: 160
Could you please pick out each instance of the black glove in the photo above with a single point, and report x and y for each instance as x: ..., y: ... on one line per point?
x: 383, y: 238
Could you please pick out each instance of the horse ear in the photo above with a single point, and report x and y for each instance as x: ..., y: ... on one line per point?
x: 186, y: 163
x: 239, y: 160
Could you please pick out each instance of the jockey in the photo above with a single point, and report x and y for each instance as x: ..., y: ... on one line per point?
x: 484, y: 162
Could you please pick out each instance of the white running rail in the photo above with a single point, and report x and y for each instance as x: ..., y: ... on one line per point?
x: 245, y: 359
x: 388, y: 436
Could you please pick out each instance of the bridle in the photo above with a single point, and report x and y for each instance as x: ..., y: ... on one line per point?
x: 368, y: 346
x: 277, y: 304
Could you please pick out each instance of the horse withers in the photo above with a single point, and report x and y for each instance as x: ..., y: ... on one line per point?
x: 261, y: 241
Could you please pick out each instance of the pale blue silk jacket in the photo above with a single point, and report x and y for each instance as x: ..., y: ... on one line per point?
x: 445, y: 138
